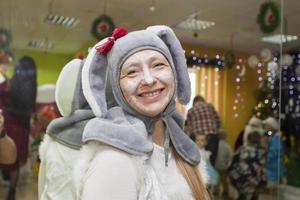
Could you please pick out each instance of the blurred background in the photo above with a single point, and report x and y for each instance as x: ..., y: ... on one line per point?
x: 243, y: 57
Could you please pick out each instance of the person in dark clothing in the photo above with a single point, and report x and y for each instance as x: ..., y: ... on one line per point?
x: 18, y: 110
x: 247, y: 169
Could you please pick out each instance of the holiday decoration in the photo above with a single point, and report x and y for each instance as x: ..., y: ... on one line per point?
x: 5, y: 39
x: 266, y: 54
x: 253, y: 61
x: 229, y: 58
x: 5, y: 53
x: 102, y: 27
x: 80, y: 55
x: 242, y: 72
x: 268, y: 18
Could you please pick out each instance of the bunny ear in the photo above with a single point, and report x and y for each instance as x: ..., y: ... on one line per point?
x: 168, y: 36
x: 68, y: 93
x: 94, y: 75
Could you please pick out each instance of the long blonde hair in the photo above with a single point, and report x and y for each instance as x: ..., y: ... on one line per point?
x: 192, y: 177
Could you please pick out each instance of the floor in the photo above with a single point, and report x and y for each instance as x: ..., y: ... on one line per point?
x: 27, y: 190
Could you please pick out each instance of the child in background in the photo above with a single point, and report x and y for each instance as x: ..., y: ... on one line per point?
x: 275, y: 166
x: 213, y: 176
x: 246, y: 171
x: 223, y: 161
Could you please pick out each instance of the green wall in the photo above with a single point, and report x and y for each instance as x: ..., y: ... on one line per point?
x: 48, y: 64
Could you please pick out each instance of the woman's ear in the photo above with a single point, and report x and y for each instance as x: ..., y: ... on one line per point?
x: 167, y: 35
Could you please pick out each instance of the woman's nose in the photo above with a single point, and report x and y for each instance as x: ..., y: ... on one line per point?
x: 148, y: 78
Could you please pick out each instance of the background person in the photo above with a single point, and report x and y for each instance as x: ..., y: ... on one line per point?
x: 275, y: 148
x: 8, y: 152
x: 223, y: 161
x: 247, y: 169
x: 203, y: 118
x: 17, y: 112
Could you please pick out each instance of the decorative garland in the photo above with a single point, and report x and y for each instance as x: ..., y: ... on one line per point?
x: 268, y: 17
x: 102, y: 27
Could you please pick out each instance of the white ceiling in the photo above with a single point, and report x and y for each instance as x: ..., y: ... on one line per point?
x: 235, y: 21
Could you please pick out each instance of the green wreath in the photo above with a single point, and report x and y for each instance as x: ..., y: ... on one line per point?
x: 272, y: 21
x: 102, y: 27
x: 5, y: 39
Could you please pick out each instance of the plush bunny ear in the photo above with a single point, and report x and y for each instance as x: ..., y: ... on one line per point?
x: 94, y: 75
x: 68, y: 93
x: 168, y: 36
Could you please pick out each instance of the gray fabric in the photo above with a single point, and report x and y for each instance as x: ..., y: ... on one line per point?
x: 79, y: 100
x: 184, y: 146
x: 119, y: 130
x: 68, y: 130
x: 128, y: 134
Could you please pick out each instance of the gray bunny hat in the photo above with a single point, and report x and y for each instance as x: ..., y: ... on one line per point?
x: 72, y: 105
x: 121, y: 126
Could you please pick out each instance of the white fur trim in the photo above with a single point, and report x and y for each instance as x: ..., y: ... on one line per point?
x: 88, y: 93
x: 44, y: 146
x: 66, y: 85
x: 87, y: 154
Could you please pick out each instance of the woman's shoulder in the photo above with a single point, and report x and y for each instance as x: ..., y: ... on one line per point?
x: 98, y: 155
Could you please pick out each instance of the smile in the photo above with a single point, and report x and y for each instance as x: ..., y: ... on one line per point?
x: 151, y: 94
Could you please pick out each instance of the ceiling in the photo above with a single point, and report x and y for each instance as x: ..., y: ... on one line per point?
x: 235, y: 21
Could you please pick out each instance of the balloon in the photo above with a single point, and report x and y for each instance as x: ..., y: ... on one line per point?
x: 253, y: 61
x: 287, y: 60
x: 272, y: 66
x: 266, y: 55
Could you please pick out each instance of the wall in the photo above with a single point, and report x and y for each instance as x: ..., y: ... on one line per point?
x: 49, y: 65
x: 233, y: 125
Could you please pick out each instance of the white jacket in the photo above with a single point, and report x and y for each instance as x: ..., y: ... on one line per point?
x: 107, y: 173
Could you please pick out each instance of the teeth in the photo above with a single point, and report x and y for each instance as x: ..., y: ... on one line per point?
x: 150, y: 94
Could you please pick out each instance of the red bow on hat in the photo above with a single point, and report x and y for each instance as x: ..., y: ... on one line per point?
x: 106, y: 47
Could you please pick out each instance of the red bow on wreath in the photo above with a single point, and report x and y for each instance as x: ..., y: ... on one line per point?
x: 106, y: 47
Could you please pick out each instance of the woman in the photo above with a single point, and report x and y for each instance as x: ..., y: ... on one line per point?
x: 20, y: 103
x: 137, y: 150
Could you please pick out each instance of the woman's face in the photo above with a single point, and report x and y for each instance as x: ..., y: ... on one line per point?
x: 147, y: 82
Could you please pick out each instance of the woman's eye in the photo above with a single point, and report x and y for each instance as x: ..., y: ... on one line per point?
x: 131, y: 73
x: 159, y: 65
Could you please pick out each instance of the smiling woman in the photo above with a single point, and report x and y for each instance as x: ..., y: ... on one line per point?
x: 138, y: 148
